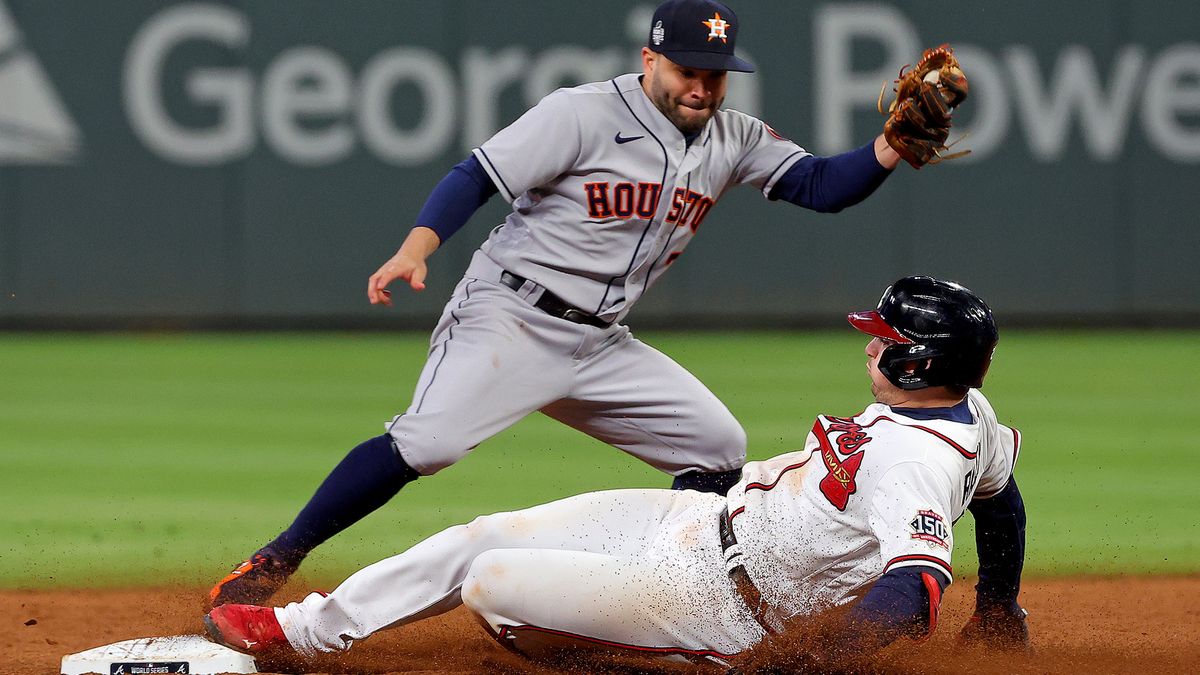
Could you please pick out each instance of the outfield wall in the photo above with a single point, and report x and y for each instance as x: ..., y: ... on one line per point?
x: 251, y: 163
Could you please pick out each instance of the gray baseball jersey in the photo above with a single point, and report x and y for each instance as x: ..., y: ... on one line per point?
x: 607, y: 193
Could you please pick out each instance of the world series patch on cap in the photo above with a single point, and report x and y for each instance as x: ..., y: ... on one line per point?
x: 697, y: 34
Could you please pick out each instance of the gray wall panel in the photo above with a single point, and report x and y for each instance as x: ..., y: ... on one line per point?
x: 1081, y: 201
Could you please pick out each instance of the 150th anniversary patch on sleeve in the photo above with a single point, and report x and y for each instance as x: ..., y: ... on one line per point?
x: 931, y: 527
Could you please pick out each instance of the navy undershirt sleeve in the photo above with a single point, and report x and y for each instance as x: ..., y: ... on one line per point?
x: 830, y: 184
x: 1000, y: 540
x: 456, y: 198
x: 896, y: 605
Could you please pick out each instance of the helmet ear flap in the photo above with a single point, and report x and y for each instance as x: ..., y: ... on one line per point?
x: 910, y: 366
x: 892, y: 365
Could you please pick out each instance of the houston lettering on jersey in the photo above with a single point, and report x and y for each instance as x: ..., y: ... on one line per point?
x: 689, y: 208
x: 838, y: 484
x: 626, y: 200
x: 623, y: 200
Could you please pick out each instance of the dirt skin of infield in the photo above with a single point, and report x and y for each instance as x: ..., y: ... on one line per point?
x: 1079, y: 625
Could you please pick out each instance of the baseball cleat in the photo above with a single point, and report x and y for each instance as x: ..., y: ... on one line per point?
x: 246, y: 628
x: 253, y: 581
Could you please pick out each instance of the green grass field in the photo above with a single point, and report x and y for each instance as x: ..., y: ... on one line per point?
x: 138, y: 459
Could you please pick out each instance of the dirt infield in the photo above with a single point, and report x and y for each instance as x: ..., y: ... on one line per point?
x: 1110, y: 625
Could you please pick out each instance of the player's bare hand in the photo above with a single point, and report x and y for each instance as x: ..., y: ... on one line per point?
x: 400, y: 266
x: 408, y: 264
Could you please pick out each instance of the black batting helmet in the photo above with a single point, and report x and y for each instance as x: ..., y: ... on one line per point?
x: 940, y: 327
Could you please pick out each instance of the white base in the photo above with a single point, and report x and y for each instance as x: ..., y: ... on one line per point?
x: 177, y: 654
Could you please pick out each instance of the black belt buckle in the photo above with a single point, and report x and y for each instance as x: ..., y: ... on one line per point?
x: 572, y: 314
x: 554, y: 305
x: 511, y: 280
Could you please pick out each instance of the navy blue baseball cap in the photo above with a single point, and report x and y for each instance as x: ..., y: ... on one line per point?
x: 697, y: 34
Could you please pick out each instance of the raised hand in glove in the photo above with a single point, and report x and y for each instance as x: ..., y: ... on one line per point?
x: 918, y: 121
x: 999, y: 627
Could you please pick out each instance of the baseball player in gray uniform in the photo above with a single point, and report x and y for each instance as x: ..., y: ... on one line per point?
x: 608, y: 182
x: 861, y: 514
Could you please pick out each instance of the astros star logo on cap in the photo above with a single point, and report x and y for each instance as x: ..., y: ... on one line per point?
x: 716, y: 26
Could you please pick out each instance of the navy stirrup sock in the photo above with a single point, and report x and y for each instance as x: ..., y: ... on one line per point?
x: 370, y: 475
x: 717, y: 481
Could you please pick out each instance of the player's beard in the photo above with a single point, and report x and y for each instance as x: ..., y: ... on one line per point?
x: 671, y: 108
x: 883, y: 396
x: 882, y: 389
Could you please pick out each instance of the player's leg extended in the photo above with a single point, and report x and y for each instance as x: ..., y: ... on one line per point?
x: 493, y: 360
x: 638, y: 399
x: 426, y: 579
x: 675, y: 600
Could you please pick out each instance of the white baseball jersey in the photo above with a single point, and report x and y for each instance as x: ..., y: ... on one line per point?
x: 866, y: 494
x: 646, y: 569
x: 607, y: 193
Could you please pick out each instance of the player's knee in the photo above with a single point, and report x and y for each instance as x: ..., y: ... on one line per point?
x: 431, y: 452
x: 480, y: 530
x: 483, y: 589
x: 737, y: 444
x: 725, y: 445
x: 495, y: 530
x: 474, y: 589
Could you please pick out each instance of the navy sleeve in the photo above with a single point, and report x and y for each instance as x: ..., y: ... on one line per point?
x: 1000, y: 540
x: 456, y: 198
x: 830, y: 184
x: 898, y: 604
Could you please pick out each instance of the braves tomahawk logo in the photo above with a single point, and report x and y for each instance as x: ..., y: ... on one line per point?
x: 839, y: 484
x: 35, y: 127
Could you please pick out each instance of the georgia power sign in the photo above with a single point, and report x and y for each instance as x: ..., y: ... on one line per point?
x: 309, y: 107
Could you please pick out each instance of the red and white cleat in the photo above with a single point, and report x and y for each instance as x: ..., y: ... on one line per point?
x: 249, y: 629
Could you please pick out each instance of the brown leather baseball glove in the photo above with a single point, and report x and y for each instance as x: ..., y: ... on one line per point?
x: 918, y: 121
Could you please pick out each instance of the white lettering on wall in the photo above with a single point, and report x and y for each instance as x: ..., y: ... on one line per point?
x: 226, y: 89
x: 310, y: 108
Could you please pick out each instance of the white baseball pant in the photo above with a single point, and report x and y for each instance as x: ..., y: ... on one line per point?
x: 636, y: 569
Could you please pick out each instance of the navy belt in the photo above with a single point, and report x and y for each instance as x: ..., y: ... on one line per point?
x: 554, y: 305
x: 763, y: 614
